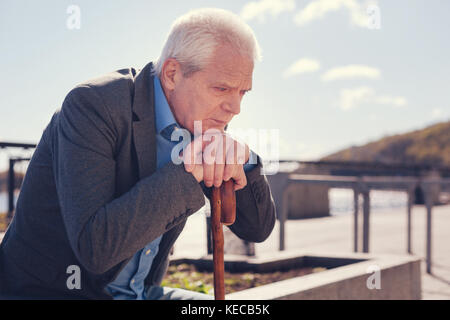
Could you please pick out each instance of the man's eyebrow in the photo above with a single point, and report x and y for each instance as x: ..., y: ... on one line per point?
x: 223, y: 84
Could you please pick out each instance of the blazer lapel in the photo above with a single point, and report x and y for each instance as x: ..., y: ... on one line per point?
x: 144, y: 135
x: 144, y: 132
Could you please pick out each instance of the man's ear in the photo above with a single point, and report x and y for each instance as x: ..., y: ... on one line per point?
x: 171, y: 73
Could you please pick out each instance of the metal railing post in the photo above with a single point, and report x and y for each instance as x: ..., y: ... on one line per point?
x: 11, y: 187
x: 283, y: 218
x: 411, y: 200
x: 355, y: 224
x: 366, y: 220
x: 429, y: 205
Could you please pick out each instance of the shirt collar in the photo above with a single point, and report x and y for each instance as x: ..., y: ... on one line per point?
x: 163, y: 114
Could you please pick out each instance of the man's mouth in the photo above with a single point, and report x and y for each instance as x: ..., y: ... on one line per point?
x: 220, y: 122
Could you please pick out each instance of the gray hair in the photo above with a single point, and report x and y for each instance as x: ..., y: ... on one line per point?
x: 194, y: 36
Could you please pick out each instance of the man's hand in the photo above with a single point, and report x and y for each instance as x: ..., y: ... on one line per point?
x: 214, y: 158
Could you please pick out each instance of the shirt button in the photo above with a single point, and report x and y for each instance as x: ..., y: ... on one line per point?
x: 132, y: 281
x: 148, y: 252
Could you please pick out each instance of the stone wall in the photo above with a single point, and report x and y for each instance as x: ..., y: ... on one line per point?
x: 306, y: 201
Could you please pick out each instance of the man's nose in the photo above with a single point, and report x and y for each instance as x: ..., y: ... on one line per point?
x: 233, y: 105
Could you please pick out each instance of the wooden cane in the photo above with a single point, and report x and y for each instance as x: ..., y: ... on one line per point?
x: 223, y: 211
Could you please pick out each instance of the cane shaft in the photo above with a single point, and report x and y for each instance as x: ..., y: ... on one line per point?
x: 223, y: 210
x: 228, y: 196
x: 217, y: 234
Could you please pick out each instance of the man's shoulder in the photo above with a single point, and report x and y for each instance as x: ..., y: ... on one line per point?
x: 113, y: 91
x: 121, y: 75
x: 116, y: 82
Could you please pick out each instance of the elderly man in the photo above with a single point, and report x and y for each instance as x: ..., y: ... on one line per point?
x: 104, y: 198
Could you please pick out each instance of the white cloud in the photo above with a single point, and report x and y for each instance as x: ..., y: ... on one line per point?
x: 319, y: 8
x: 395, y: 101
x: 436, y: 113
x: 352, y: 98
x: 440, y: 113
x: 351, y: 71
x: 259, y: 9
x: 302, y: 65
x: 293, y: 149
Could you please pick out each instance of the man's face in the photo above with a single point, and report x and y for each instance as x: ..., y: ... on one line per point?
x: 212, y: 95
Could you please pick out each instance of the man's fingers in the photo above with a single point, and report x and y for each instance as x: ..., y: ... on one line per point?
x: 190, y: 159
x: 208, y: 174
x: 219, y: 169
x: 229, y: 172
x: 219, y: 161
x: 230, y: 161
x: 240, y: 180
x: 218, y: 175
x: 192, y: 153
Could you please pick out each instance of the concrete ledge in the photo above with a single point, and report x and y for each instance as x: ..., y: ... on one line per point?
x: 284, y: 260
x: 400, y: 276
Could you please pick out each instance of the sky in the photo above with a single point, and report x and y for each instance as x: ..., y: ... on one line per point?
x: 334, y: 73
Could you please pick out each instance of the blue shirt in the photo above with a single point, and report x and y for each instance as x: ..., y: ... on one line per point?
x: 129, y: 284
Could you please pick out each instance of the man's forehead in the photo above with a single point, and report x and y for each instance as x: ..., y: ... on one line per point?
x: 233, y: 75
x: 231, y: 78
x: 227, y: 62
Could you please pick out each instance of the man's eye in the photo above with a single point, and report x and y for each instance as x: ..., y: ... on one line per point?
x: 221, y: 89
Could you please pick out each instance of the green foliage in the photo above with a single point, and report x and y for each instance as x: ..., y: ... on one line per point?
x: 182, y: 277
x: 186, y: 276
x: 4, y: 180
x: 3, y: 222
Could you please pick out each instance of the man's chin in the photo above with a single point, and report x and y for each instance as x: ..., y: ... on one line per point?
x: 214, y: 125
x: 209, y: 124
x: 216, y: 128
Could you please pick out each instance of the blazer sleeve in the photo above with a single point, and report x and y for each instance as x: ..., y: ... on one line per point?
x: 255, y: 208
x: 104, y: 230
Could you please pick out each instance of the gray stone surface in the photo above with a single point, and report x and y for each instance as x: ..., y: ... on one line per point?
x: 399, y: 278
x: 299, y: 204
x: 306, y: 201
x: 346, y: 278
x: 335, y: 234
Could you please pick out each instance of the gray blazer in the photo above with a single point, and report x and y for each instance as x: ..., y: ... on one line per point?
x: 92, y: 196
